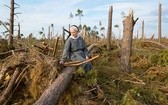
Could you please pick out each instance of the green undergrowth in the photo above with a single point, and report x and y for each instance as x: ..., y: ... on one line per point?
x: 83, y: 89
x: 146, y: 84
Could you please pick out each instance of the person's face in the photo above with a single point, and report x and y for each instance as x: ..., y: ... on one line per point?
x: 74, y: 32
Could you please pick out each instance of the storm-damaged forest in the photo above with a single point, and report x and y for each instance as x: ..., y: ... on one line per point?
x: 129, y: 70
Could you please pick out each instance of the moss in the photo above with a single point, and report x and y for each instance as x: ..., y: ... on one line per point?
x: 160, y: 58
x: 128, y: 98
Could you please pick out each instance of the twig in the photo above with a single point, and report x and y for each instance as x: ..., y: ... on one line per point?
x: 103, y: 101
x: 90, y: 90
x: 141, y: 83
x: 19, y: 77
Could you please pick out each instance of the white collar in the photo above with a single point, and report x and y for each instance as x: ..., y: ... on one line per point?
x: 74, y: 37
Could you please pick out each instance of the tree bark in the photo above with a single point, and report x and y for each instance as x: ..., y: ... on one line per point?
x: 128, y: 25
x: 63, y: 36
x: 55, y: 46
x: 109, y: 28
x: 19, y: 36
x: 10, y: 40
x: 51, y: 95
x: 5, y: 95
x: 49, y: 33
x: 143, y: 35
x: 159, y: 22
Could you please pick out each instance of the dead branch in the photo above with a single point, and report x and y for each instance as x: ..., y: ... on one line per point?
x: 21, y: 74
x: 91, y: 47
x: 6, y: 69
x: 17, y: 50
x: 135, y: 21
x: 39, y: 47
x: 7, y: 6
x: 71, y: 62
x: 5, y: 26
x: 135, y: 82
x: 80, y: 63
x: 2, y: 74
x: 153, y: 42
x: 9, y: 88
x: 44, y: 48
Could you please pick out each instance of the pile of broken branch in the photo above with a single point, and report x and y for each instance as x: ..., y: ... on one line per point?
x: 30, y: 76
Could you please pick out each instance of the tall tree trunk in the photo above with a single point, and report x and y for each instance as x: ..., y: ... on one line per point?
x: 143, y: 35
x: 52, y: 31
x: 19, y: 36
x: 159, y: 22
x: 55, y: 46
x: 137, y: 34
x: 49, y: 32
x: 63, y: 36
x: 109, y: 31
x: 10, y: 40
x: 128, y: 26
x: 84, y: 33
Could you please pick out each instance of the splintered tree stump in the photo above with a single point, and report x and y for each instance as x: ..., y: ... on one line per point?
x: 128, y: 25
x: 51, y: 95
x: 109, y: 31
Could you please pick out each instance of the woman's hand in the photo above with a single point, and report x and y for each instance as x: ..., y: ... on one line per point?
x: 61, y: 62
x: 87, y: 57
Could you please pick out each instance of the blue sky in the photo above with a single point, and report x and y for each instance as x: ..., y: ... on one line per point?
x: 41, y: 13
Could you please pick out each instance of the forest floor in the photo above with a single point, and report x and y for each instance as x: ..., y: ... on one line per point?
x: 105, y: 84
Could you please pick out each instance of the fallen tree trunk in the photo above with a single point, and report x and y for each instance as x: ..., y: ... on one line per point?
x: 51, y: 95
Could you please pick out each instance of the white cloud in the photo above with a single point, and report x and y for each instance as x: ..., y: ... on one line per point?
x: 42, y: 14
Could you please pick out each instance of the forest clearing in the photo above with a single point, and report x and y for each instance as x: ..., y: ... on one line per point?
x: 130, y: 70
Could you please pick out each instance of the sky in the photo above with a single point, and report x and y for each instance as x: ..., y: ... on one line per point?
x: 36, y: 14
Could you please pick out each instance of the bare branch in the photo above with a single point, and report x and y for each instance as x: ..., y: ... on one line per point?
x: 4, y: 25
x: 7, y: 6
x: 77, y: 63
x: 16, y: 16
x: 17, y: 4
x: 16, y: 7
x: 136, y: 20
x: 17, y: 13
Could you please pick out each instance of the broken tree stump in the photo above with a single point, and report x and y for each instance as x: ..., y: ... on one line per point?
x: 51, y: 95
x: 55, y: 46
x: 128, y: 25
